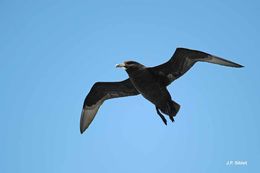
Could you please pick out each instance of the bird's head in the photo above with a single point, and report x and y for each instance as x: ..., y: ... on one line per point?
x: 130, y: 66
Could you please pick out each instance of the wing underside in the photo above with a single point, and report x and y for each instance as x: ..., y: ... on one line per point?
x: 181, y: 61
x: 100, y: 92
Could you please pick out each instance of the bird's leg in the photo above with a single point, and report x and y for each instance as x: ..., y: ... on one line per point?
x: 161, y: 115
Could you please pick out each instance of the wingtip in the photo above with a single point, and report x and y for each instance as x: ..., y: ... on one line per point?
x: 87, y: 116
x: 81, y: 130
x: 83, y: 127
x: 238, y: 66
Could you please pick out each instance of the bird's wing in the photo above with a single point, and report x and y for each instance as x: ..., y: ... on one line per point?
x: 100, y: 92
x: 181, y: 61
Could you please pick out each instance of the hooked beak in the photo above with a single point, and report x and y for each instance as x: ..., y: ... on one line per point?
x: 120, y: 65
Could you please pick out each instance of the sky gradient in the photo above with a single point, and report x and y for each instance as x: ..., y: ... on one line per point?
x: 52, y: 52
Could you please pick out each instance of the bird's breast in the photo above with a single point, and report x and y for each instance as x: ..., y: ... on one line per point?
x: 148, y: 86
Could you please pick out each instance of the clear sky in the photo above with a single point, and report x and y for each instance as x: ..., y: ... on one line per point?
x: 52, y: 52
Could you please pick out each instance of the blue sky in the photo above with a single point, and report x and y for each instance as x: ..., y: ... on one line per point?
x: 52, y: 52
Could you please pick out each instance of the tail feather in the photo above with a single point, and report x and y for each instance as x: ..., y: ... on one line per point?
x: 175, y: 107
x: 217, y: 60
x: 171, y: 108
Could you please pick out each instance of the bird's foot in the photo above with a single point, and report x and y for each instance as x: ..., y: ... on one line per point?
x: 164, y: 120
x: 162, y: 117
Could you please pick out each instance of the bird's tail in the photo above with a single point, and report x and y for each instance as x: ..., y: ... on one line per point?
x: 171, y: 109
x: 217, y: 60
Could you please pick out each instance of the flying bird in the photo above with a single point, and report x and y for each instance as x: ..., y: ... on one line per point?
x: 150, y: 82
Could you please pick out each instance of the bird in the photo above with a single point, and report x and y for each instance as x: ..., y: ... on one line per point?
x: 150, y: 82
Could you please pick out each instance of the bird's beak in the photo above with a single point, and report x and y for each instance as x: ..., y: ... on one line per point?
x: 120, y: 65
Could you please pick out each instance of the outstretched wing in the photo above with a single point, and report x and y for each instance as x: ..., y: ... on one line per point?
x: 181, y: 61
x: 100, y: 92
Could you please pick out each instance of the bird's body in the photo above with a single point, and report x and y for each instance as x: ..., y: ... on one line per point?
x: 150, y: 82
x: 145, y: 82
x: 140, y: 81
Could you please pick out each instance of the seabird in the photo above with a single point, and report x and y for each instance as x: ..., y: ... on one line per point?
x: 150, y: 82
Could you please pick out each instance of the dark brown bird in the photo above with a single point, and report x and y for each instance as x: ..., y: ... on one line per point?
x: 150, y: 82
